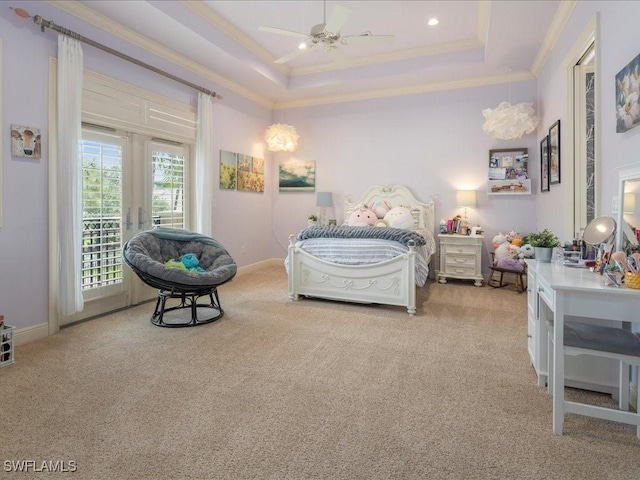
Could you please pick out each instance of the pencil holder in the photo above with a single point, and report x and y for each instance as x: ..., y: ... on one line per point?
x: 632, y: 280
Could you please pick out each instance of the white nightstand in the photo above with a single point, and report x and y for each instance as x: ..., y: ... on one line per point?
x: 461, y: 257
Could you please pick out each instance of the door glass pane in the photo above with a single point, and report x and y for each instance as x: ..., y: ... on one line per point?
x: 590, y: 145
x: 168, y: 189
x: 101, y: 214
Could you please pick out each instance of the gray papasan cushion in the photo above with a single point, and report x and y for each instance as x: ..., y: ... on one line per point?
x: 149, y: 251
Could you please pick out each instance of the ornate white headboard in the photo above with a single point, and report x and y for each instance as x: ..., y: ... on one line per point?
x: 395, y: 196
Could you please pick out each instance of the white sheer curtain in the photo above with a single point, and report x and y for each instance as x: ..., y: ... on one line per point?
x: 204, y: 166
x: 69, y: 176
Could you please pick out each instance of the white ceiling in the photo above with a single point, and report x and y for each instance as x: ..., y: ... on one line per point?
x: 475, y: 43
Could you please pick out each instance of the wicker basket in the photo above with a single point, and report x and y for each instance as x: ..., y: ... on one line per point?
x: 632, y: 280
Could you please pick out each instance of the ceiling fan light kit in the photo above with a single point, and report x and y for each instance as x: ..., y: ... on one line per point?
x: 327, y: 35
x: 508, y: 122
x: 281, y: 138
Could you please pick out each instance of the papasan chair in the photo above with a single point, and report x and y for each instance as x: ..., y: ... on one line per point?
x: 147, y: 253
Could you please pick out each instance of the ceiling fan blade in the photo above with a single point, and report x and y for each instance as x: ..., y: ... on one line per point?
x: 291, y: 56
x: 281, y: 31
x: 367, y: 39
x: 338, y: 18
x: 337, y: 55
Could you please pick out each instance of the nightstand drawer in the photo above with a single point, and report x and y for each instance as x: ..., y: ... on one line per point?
x: 460, y: 260
x: 454, y: 249
x: 469, y: 270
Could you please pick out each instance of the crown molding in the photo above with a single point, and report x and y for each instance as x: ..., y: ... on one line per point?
x: 391, y: 57
x: 565, y: 9
x: 98, y: 20
x: 484, y: 11
x: 221, y: 23
x: 411, y: 90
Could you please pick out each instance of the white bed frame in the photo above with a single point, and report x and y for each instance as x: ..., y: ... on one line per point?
x: 391, y: 282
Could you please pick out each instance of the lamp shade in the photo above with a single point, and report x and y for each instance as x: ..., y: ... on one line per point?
x: 324, y: 199
x: 466, y: 198
x: 629, y: 205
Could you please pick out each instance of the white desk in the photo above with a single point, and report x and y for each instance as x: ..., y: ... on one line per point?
x: 578, y: 292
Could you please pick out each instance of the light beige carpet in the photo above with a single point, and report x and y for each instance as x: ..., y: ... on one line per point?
x: 302, y: 390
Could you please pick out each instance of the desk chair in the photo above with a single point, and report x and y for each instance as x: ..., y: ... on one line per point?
x: 609, y: 342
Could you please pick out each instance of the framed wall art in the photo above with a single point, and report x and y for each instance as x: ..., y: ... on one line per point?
x: 544, y: 164
x: 228, y: 170
x: 627, y: 92
x: 508, y: 172
x: 297, y: 176
x: 25, y: 142
x: 554, y: 153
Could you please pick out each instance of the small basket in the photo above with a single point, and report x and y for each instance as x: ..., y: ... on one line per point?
x: 632, y: 280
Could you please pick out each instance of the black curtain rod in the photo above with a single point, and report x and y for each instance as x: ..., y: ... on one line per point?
x: 38, y: 20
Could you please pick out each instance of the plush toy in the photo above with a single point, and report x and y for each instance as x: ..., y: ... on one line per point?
x: 500, y: 247
x: 399, y: 217
x: 362, y: 216
x: 188, y: 262
x: 527, y: 251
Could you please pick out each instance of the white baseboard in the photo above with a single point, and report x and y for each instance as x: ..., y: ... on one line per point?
x: 271, y: 262
x: 30, y: 334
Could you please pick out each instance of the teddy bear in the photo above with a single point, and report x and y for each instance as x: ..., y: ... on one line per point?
x: 362, y: 217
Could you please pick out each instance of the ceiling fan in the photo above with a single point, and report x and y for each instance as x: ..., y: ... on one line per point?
x: 327, y: 35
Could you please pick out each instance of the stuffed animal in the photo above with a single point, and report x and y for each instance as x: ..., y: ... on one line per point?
x: 500, y: 247
x: 527, y: 251
x: 399, y: 217
x: 362, y: 217
x: 188, y: 262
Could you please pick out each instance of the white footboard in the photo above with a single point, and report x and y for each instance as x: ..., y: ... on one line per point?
x: 391, y: 282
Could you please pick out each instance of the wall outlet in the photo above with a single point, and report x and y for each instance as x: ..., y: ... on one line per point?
x: 243, y: 249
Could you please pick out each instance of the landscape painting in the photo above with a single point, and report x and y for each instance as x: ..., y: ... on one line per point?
x: 297, y: 176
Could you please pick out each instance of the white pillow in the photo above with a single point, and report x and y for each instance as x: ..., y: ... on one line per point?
x: 399, y: 217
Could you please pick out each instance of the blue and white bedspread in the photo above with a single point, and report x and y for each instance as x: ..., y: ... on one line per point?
x: 360, y: 250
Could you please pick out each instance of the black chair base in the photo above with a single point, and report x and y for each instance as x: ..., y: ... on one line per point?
x: 187, y: 300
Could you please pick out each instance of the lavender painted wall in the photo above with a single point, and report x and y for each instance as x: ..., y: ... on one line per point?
x: 618, y: 46
x: 433, y: 143
x: 241, y: 218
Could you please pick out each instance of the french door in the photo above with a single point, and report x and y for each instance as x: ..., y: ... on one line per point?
x: 131, y: 183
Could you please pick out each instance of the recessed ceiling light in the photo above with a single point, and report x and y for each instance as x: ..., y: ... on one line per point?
x: 302, y: 46
x: 433, y: 21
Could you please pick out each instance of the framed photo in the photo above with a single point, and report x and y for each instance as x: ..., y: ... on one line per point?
x: 544, y: 164
x: 508, y: 171
x: 627, y: 106
x: 554, y: 153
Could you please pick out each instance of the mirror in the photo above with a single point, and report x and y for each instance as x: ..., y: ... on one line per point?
x: 629, y: 208
x: 599, y: 230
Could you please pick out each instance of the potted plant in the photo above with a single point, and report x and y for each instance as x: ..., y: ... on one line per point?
x: 543, y: 243
x: 312, y: 219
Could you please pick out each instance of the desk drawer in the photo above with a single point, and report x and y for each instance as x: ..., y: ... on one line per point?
x: 545, y: 292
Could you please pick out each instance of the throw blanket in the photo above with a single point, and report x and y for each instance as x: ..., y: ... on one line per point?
x: 184, y: 236
x: 348, y: 231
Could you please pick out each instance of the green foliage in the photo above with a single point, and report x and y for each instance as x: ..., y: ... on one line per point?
x: 544, y: 238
